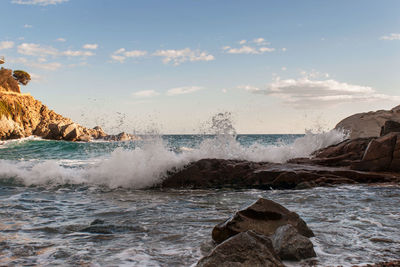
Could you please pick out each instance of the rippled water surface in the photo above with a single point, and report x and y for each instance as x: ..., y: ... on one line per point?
x: 170, y: 228
x: 69, y: 204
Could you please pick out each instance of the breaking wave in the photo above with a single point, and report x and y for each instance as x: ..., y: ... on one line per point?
x: 146, y: 165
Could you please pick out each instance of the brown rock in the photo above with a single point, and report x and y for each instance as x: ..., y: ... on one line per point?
x: 390, y: 127
x: 368, y: 124
x: 290, y: 245
x: 70, y: 132
x: 378, y: 155
x: 264, y: 217
x: 247, y: 249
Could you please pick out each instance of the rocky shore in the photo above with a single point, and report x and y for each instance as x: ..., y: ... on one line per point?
x: 21, y: 116
x: 353, y: 161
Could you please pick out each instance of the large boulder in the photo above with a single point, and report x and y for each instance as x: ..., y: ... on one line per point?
x: 247, y: 249
x: 264, y: 217
x: 379, y: 154
x: 290, y: 245
x: 368, y: 124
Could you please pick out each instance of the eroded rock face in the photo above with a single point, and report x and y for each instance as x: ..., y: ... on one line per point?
x: 264, y: 217
x: 7, y: 82
x: 246, y: 249
x: 23, y: 116
x: 290, y: 245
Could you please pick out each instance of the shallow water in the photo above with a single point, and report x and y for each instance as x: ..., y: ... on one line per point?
x: 81, y: 204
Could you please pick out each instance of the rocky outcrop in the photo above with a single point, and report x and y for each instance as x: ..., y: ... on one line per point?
x: 247, y: 249
x: 298, y: 174
x: 264, y: 217
x: 21, y: 116
x: 368, y: 124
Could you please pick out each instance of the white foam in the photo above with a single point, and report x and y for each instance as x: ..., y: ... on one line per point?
x: 146, y: 165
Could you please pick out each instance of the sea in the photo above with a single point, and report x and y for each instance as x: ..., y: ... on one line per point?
x: 89, y: 204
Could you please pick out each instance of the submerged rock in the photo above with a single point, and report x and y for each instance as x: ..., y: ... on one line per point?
x: 290, y: 245
x: 264, y: 217
x: 247, y: 249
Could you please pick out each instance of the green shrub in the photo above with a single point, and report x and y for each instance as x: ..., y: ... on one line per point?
x: 22, y: 76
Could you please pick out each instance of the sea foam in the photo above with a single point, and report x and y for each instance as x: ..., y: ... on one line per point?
x: 147, y: 165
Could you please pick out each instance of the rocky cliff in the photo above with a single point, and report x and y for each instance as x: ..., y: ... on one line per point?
x: 21, y: 115
x: 368, y: 124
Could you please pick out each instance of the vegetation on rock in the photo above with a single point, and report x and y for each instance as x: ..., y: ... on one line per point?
x: 22, y: 77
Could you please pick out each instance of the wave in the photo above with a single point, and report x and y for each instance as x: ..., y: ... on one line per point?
x: 147, y: 165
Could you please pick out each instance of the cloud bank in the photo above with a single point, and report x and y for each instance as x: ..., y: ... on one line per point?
x: 308, y: 93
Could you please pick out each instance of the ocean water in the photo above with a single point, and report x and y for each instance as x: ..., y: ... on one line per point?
x: 69, y: 204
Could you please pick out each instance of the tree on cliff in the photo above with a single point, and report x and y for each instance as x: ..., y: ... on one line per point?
x: 22, y: 76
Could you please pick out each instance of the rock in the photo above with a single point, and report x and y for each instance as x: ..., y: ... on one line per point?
x: 70, y: 132
x: 264, y: 216
x: 244, y: 249
x: 390, y: 127
x: 368, y: 124
x: 21, y: 116
x: 120, y: 137
x: 378, y: 155
x: 239, y: 174
x: 290, y: 245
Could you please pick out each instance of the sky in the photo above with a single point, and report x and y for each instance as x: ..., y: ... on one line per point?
x: 169, y: 66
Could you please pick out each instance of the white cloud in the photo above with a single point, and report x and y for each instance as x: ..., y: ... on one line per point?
x: 38, y: 2
x: 121, y: 54
x: 248, y: 50
x: 28, y: 26
x: 308, y: 93
x: 391, y: 37
x: 61, y: 40
x: 145, y: 93
x: 76, y: 53
x: 260, y: 41
x: 6, y: 45
x: 183, y: 90
x: 254, y: 47
x: 40, y: 63
x: 91, y: 46
x: 31, y: 49
x: 284, y: 68
x: 179, y: 56
x: 284, y: 49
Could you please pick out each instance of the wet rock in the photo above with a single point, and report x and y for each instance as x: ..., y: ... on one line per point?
x: 264, y: 217
x: 219, y: 173
x: 245, y: 249
x: 290, y: 245
x: 120, y: 137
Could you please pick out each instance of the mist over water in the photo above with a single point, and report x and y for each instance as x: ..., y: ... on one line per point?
x: 144, y: 163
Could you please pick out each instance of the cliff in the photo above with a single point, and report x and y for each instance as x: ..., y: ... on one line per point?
x: 21, y: 115
x: 368, y: 124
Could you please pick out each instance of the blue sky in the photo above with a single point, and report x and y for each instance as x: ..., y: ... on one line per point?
x: 277, y: 66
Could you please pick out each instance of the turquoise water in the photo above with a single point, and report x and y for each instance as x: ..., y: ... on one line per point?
x: 68, y: 204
